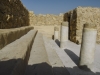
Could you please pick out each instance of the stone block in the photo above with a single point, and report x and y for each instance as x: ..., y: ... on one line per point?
x: 9, y: 35
x: 14, y: 57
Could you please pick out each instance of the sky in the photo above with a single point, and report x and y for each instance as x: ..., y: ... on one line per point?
x: 57, y: 6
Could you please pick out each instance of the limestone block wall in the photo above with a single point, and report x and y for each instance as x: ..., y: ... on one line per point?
x: 78, y: 17
x: 13, y: 14
x: 9, y: 35
x: 90, y: 15
x: 71, y: 18
x: 48, y: 19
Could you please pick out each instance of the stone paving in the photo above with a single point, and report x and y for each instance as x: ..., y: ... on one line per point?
x: 70, y: 58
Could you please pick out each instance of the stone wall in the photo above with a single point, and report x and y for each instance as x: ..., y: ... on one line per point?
x: 8, y: 36
x: 78, y: 17
x: 71, y: 18
x: 13, y: 14
x: 14, y: 57
x: 48, y: 19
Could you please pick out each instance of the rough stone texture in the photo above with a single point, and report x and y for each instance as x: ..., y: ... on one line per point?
x: 14, y: 57
x: 48, y: 19
x: 9, y: 35
x: 71, y: 17
x: 65, y: 23
x: 13, y: 14
x: 78, y: 17
x: 90, y: 26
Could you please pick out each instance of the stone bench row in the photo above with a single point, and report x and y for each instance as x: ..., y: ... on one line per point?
x: 9, y: 35
x: 38, y: 62
x: 57, y: 65
x: 43, y: 59
x: 14, y: 57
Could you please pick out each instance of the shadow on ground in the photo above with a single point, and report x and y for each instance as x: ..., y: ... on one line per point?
x: 77, y: 70
x: 45, y: 69
x: 57, y: 42
x: 52, y: 37
x: 73, y: 56
x: 20, y: 67
x: 12, y: 67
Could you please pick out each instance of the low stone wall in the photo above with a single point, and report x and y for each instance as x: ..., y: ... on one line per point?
x: 13, y: 14
x: 14, y: 57
x: 48, y: 19
x: 9, y: 35
x: 78, y: 17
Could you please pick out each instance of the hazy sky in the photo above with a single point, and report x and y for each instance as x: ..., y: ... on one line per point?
x: 57, y: 6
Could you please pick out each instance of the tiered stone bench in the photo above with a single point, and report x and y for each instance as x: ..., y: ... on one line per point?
x: 55, y: 61
x: 43, y: 59
x: 9, y: 35
x: 38, y: 62
x: 14, y: 57
x: 31, y: 54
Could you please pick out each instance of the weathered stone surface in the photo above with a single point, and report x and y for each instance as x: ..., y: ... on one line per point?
x: 48, y: 19
x: 78, y: 17
x: 63, y: 35
x: 13, y: 14
x: 90, y: 26
x: 57, y: 65
x: 56, y: 29
x: 88, y: 47
x: 9, y: 35
x: 65, y: 23
x: 14, y: 57
x: 38, y: 61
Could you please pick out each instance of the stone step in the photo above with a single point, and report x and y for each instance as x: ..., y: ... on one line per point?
x: 38, y: 62
x: 55, y: 61
x: 14, y: 56
x: 44, y: 59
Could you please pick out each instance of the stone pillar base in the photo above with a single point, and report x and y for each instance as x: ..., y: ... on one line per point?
x: 88, y: 47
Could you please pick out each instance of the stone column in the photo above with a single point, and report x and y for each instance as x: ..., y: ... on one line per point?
x: 64, y: 34
x: 88, y: 47
x: 56, y: 33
